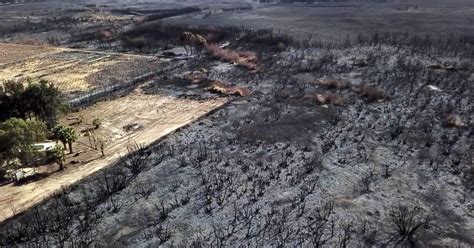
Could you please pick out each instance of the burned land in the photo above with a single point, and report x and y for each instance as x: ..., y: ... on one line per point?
x: 293, y: 124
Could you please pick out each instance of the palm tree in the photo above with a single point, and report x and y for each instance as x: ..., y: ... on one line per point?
x: 67, y: 135
x: 59, y: 156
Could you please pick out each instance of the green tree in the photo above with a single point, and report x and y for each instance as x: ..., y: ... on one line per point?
x: 10, y: 100
x: 17, y: 137
x: 67, y: 135
x: 45, y: 101
x: 38, y: 99
x: 58, y: 156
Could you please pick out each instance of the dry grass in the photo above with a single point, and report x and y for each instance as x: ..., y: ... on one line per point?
x: 454, y: 120
x: 329, y: 98
x: 221, y: 88
x: 196, y: 77
x: 246, y: 59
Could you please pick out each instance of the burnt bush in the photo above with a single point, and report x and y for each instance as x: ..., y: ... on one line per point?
x: 469, y: 178
x: 266, y: 38
x: 129, y: 11
x: 408, y: 223
x: 136, y: 160
x: 170, y: 13
x: 460, y: 44
x: 111, y: 183
x: 81, y: 36
x: 62, y: 20
x: 372, y: 94
x: 25, y: 27
x: 152, y: 35
x: 366, y: 181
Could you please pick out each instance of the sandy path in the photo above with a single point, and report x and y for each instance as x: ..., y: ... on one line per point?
x: 159, y: 115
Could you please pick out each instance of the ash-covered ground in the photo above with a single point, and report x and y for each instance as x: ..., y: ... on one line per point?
x: 364, y: 145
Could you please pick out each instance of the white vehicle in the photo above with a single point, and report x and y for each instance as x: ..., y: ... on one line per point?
x: 47, y: 145
x: 22, y: 174
x: 43, y: 150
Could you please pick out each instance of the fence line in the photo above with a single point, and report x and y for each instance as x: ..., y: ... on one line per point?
x: 107, y: 90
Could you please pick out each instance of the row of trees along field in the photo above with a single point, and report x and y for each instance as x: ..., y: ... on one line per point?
x: 29, y: 114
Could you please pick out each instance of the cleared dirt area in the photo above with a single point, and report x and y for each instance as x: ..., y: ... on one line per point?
x: 71, y: 70
x: 130, y: 120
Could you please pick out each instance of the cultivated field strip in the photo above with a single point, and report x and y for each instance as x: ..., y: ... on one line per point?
x: 72, y: 70
x: 11, y: 53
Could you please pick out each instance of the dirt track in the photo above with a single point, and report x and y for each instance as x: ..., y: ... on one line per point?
x: 158, y: 115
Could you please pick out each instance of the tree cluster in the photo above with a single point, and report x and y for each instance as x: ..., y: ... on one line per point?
x: 17, y: 137
x: 27, y: 100
x: 29, y: 110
